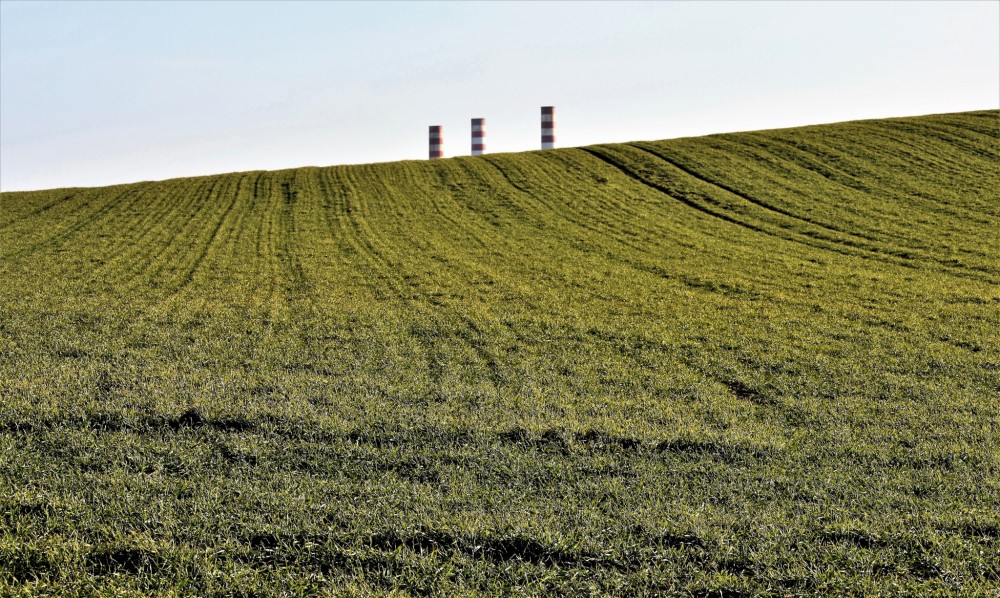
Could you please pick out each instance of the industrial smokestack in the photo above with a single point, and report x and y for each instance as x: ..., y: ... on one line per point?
x: 478, y: 136
x: 435, y: 141
x: 548, y: 127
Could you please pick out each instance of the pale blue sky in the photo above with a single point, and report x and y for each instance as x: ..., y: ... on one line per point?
x: 103, y: 93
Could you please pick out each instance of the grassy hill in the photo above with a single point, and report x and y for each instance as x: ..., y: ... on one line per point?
x: 744, y: 364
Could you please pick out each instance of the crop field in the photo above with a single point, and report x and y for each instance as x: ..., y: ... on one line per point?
x: 760, y: 363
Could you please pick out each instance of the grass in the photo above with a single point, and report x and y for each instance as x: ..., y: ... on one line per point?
x: 750, y: 364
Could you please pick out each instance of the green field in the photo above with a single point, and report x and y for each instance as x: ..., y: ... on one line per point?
x: 750, y: 364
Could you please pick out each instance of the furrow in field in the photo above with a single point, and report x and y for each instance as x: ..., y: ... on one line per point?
x: 296, y: 192
x: 319, y: 270
x: 920, y: 214
x: 621, y: 236
x: 104, y: 201
x: 266, y: 241
x: 626, y: 216
x: 431, y: 231
x: 398, y: 234
x: 771, y: 222
x: 379, y: 236
x: 377, y: 273
x: 541, y: 186
x: 230, y: 269
x: 701, y: 202
x: 569, y: 211
x: 194, y: 232
x: 20, y: 209
x: 886, y: 157
x: 509, y: 256
x: 167, y: 238
x: 563, y: 217
x: 434, y: 228
x: 775, y: 215
x: 239, y: 251
x: 840, y: 192
x: 835, y: 206
x: 349, y: 256
x: 891, y: 219
x: 619, y: 222
x: 942, y: 207
x: 136, y: 238
x: 153, y: 249
x: 978, y: 148
x: 907, y: 151
x: 227, y: 196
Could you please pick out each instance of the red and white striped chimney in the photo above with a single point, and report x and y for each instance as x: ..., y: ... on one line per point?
x: 478, y: 136
x: 436, y: 142
x: 548, y: 127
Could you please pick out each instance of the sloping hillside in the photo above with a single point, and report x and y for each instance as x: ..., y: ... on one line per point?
x: 744, y: 363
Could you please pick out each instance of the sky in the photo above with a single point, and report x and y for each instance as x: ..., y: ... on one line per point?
x: 99, y: 93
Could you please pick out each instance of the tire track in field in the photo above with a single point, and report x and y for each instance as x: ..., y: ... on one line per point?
x: 318, y: 265
x: 452, y: 195
x: 803, y: 165
x: 131, y: 255
x: 288, y: 253
x: 685, y: 197
x: 112, y: 202
x: 62, y: 197
x: 489, y: 238
x: 759, y: 203
x: 896, y: 221
x: 201, y: 248
x: 561, y: 210
x: 360, y: 238
x: 216, y: 235
x: 790, y: 234
x: 615, y: 212
x: 952, y: 136
x: 166, y: 225
x: 666, y: 236
x: 556, y: 223
x: 175, y: 225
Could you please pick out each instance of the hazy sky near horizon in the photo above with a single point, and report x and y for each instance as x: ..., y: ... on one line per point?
x: 97, y: 93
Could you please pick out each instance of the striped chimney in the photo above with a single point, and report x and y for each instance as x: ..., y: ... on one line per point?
x: 478, y: 136
x: 548, y: 127
x: 436, y: 141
